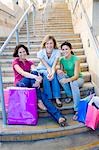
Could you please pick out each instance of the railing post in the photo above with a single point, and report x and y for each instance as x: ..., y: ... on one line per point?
x: 43, y: 22
x: 33, y: 14
x: 27, y: 28
x: 17, y: 37
x: 2, y: 99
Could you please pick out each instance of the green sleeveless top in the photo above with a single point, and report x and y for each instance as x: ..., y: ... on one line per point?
x: 69, y: 65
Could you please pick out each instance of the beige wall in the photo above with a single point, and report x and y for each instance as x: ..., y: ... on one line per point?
x: 88, y: 5
x: 9, y: 17
x: 96, y: 17
x: 81, y: 26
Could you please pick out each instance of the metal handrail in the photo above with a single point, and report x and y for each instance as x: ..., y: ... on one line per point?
x: 1, y: 49
x: 92, y: 33
x: 44, y: 14
x: 15, y: 28
x: 2, y: 99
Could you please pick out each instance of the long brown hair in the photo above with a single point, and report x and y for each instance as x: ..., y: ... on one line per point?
x: 46, y: 39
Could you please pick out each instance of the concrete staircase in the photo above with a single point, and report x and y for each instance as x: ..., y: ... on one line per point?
x: 59, y: 24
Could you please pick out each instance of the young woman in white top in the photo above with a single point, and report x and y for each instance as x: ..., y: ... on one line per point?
x: 49, y: 55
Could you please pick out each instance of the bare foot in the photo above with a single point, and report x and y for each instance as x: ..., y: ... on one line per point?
x: 62, y: 122
x: 41, y: 105
x: 75, y: 117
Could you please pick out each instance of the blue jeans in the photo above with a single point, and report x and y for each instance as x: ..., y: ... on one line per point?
x: 55, y: 113
x: 72, y: 89
x: 51, y: 88
x: 27, y: 82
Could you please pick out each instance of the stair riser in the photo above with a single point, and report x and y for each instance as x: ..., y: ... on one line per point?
x: 37, y: 47
x: 49, y: 28
x: 49, y: 25
x: 83, y: 92
x: 35, y: 42
x: 34, y: 54
x: 5, y: 58
x: 49, y: 32
x: 13, y: 43
x: 83, y: 68
x: 52, y: 20
x: 23, y: 37
x: 58, y: 36
x: 43, y: 114
x: 7, y: 74
x: 40, y: 136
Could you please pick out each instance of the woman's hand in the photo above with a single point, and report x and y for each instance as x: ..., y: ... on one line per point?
x: 64, y: 80
x: 39, y: 79
x: 36, y: 84
x: 50, y: 76
x: 49, y: 70
x: 60, y: 72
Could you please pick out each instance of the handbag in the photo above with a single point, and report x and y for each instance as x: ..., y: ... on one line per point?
x: 22, y: 108
x: 82, y: 108
x: 92, y: 116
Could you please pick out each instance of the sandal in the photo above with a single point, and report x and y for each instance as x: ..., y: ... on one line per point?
x: 68, y: 100
x: 62, y: 121
x: 41, y: 105
x: 58, y: 103
x: 75, y: 117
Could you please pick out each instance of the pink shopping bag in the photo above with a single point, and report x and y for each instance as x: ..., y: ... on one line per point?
x: 92, y: 117
x: 22, y: 108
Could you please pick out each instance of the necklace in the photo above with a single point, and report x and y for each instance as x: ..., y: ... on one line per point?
x: 48, y: 53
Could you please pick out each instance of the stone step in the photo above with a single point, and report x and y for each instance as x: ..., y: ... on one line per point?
x: 84, y: 90
x: 45, y: 129
x: 34, y: 53
x: 57, y: 35
x: 37, y: 47
x: 8, y: 75
x: 36, y: 60
x: 60, y: 38
x: 48, y: 24
x: 83, y: 66
x: 35, y: 41
x: 57, y: 18
x: 49, y: 28
x: 49, y: 31
x: 66, y: 109
x: 52, y: 21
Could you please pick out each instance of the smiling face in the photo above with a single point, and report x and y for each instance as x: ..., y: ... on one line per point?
x: 66, y: 51
x: 22, y: 53
x: 49, y: 46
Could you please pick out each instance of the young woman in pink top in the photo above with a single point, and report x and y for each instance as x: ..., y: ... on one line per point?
x: 22, y: 68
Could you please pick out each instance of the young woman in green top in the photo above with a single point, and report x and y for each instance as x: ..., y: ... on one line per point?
x: 69, y: 74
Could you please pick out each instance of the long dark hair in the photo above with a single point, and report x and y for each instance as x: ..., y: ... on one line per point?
x: 69, y: 45
x: 15, y: 54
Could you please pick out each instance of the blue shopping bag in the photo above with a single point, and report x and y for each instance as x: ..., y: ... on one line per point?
x: 82, y: 109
